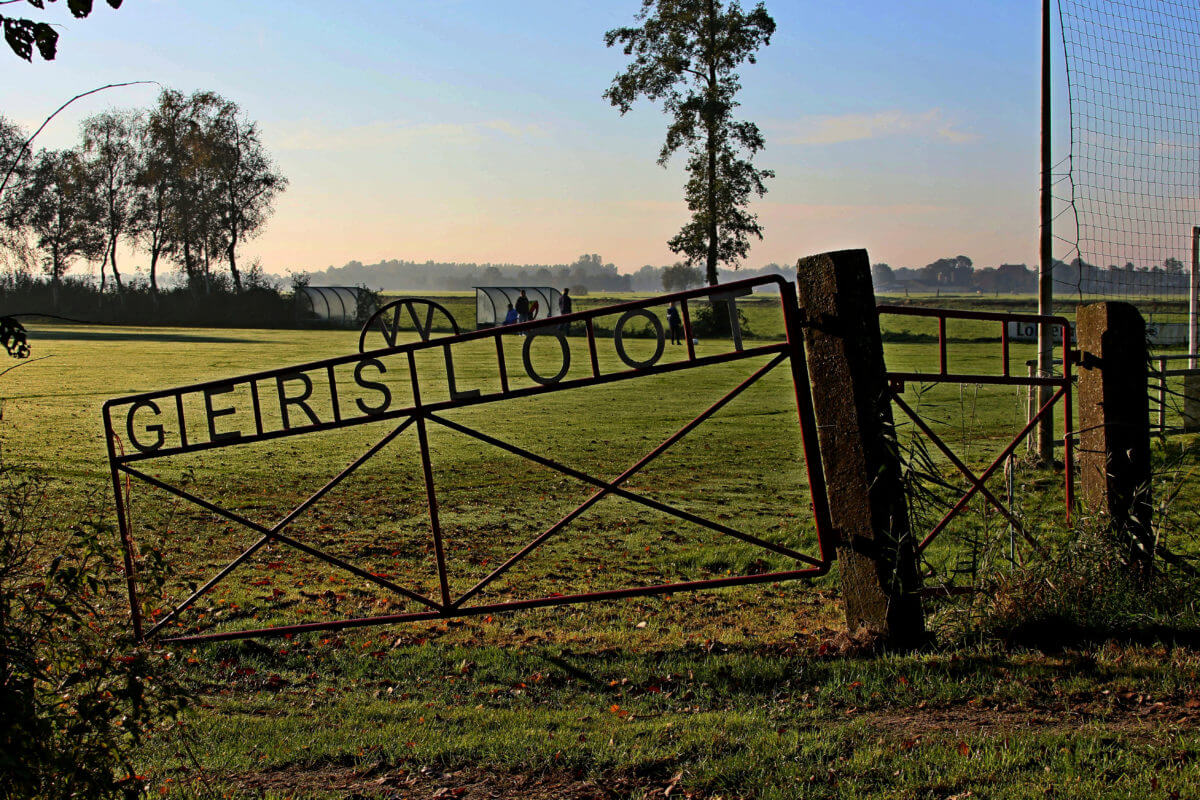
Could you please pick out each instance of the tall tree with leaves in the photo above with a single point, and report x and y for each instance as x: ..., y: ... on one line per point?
x: 182, y: 138
x: 247, y: 183
x: 111, y: 155
x: 62, y: 210
x: 15, y: 250
x: 685, y: 54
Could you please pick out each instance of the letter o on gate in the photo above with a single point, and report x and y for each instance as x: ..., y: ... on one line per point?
x: 619, y: 338
x: 566, y: 357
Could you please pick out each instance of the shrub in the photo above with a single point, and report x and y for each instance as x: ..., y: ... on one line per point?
x: 712, y: 319
x: 78, y: 695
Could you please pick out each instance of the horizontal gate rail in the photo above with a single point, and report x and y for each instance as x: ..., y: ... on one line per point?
x: 1062, y: 385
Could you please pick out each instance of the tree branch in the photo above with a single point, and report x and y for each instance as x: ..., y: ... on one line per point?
x: 25, y: 147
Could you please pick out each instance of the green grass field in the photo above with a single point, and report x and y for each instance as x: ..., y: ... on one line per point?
x: 745, y: 692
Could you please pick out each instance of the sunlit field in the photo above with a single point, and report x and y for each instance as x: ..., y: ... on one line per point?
x: 754, y: 691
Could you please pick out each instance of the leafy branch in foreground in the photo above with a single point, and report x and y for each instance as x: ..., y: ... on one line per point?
x: 23, y: 34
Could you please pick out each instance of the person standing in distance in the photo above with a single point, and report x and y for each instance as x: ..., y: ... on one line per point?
x: 522, y: 307
x: 674, y: 324
x: 564, y: 307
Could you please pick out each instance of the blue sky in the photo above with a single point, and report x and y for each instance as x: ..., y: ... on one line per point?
x: 475, y: 131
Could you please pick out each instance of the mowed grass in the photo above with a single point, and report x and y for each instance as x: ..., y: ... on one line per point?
x: 746, y: 692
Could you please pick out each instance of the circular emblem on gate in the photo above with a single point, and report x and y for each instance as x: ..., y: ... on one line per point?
x: 403, y: 315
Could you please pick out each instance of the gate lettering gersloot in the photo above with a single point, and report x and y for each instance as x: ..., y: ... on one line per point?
x: 403, y: 383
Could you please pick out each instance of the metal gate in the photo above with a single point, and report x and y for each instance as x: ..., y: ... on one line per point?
x: 1060, y: 384
x: 143, y: 427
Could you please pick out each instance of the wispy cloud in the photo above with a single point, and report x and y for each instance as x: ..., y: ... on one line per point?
x: 392, y: 133
x: 931, y: 124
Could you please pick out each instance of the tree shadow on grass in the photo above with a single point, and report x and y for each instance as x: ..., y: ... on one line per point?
x: 122, y: 336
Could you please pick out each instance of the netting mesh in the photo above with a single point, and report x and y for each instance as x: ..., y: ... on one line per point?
x: 1133, y: 173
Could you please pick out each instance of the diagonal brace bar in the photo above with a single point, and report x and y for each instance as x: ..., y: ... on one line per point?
x: 987, y: 473
x: 666, y: 508
x: 624, y: 476
x: 964, y: 469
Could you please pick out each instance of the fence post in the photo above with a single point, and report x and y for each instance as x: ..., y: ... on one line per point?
x: 868, y: 506
x: 1114, y: 422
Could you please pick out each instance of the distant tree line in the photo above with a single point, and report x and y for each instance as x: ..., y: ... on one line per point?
x: 184, y: 183
x: 588, y: 273
x: 958, y: 274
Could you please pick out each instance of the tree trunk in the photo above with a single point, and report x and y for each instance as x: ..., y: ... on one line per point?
x: 154, y: 268
x: 711, y: 144
x: 233, y: 270
x: 112, y: 260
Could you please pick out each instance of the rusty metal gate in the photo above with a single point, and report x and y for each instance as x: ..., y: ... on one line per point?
x: 143, y: 427
x: 1062, y: 389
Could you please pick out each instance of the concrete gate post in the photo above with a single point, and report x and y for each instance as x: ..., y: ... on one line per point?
x: 1114, y: 422
x: 868, y: 506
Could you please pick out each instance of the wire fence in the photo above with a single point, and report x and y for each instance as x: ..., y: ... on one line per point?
x: 1130, y: 191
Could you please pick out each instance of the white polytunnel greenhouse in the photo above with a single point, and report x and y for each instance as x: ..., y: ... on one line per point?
x: 335, y: 306
x: 491, y: 303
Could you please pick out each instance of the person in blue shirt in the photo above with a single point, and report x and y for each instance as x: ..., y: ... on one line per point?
x: 511, y: 316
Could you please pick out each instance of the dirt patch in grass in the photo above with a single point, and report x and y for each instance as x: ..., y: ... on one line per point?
x: 1124, y: 717
x: 394, y: 783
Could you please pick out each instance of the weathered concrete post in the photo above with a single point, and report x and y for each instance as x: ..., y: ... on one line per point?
x: 1114, y: 422
x: 869, y: 509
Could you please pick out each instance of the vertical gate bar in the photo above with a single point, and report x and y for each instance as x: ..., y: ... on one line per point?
x: 258, y: 420
x: 687, y: 329
x: 183, y: 440
x: 1030, y: 403
x: 798, y: 362
x: 1004, y: 345
x: 123, y: 527
x: 942, y: 343
x: 1162, y: 398
x: 500, y: 363
x: 333, y: 392
x: 430, y: 491
x: 591, y: 339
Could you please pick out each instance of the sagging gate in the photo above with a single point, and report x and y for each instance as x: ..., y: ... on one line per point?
x: 280, y: 403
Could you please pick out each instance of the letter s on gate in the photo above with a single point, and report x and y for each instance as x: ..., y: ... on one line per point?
x: 375, y: 385
x: 157, y: 430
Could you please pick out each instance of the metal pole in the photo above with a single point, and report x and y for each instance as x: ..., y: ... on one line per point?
x: 1194, y: 301
x: 1045, y: 276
